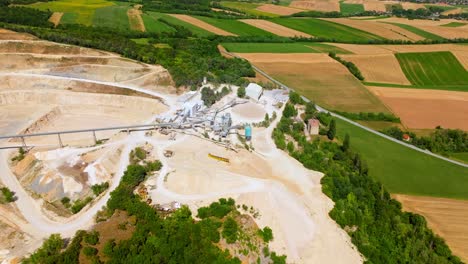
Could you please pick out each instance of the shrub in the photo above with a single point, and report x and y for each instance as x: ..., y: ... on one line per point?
x: 92, y: 238
x: 9, y: 195
x: 266, y: 234
x: 230, y: 229
x: 90, y: 251
x: 99, y: 188
x: 241, y: 92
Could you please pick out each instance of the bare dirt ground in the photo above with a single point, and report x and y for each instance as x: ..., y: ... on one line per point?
x: 318, y: 5
x: 55, y: 18
x: 420, y: 109
x: 287, y: 196
x: 409, y: 5
x: 279, y: 10
x: 11, y: 35
x: 134, y: 17
x: 275, y: 28
x: 380, y: 29
x: 374, y: 6
x: 446, y: 217
x: 203, y: 25
x: 379, y: 68
x: 433, y: 27
x: 320, y: 77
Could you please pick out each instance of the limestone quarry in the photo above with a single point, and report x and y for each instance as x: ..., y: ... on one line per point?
x: 50, y: 87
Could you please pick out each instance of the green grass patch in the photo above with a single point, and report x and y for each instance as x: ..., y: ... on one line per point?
x: 296, y: 47
x: 194, y: 29
x: 325, y: 29
x: 112, y: 17
x: 463, y: 157
x: 349, y: 9
x: 235, y: 26
x: 454, y: 24
x: 417, y: 31
x: 143, y: 41
x: 69, y: 18
x: 153, y: 25
x: 432, y: 68
x: 404, y: 170
x: 268, y: 48
x: 248, y: 8
x: 84, y: 9
x: 460, y: 88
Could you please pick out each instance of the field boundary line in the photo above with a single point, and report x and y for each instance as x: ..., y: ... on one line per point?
x: 321, y: 109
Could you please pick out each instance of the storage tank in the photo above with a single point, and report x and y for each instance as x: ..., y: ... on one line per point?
x: 248, y: 132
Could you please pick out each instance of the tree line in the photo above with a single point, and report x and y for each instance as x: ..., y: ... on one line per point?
x: 379, y: 228
x: 443, y: 141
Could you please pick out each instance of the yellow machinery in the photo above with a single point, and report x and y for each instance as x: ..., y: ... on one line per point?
x: 218, y: 158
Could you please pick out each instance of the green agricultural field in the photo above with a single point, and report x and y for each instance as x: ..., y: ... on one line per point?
x: 76, y: 11
x: 194, y: 29
x: 112, y: 17
x: 268, y: 48
x: 296, y: 47
x: 433, y: 68
x: 349, y: 9
x: 404, y: 170
x: 234, y: 26
x: 459, y: 88
x: 420, y: 32
x: 69, y: 18
x: 454, y: 24
x: 326, y: 48
x: 153, y: 25
x: 248, y: 8
x: 463, y: 157
x: 325, y: 29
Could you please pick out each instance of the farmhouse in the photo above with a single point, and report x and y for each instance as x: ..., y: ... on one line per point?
x: 254, y: 91
x: 313, y: 126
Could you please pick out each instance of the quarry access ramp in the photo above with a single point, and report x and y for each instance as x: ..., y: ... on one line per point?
x: 321, y: 109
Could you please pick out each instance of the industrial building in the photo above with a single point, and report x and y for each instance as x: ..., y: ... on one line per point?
x: 254, y: 91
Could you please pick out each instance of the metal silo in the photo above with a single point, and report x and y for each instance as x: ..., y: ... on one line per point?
x: 248, y: 132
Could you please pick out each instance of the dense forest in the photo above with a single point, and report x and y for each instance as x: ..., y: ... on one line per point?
x: 158, y: 238
x: 375, y: 221
x: 442, y: 141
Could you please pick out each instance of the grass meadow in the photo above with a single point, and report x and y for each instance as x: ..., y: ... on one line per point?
x: 454, y: 24
x: 153, y: 25
x: 406, y: 171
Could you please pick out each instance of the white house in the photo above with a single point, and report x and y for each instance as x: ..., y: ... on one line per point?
x: 254, y: 91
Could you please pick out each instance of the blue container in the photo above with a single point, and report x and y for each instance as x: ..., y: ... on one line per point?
x: 248, y: 132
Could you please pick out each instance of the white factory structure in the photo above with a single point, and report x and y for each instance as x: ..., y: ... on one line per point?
x: 254, y: 91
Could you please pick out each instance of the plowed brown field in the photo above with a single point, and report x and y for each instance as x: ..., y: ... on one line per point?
x: 56, y: 17
x: 318, y: 5
x: 279, y: 10
x: 446, y: 217
x: 275, y: 28
x: 426, y: 109
x: 203, y: 25
x: 433, y: 27
x: 319, y: 78
x: 387, y: 31
x: 382, y: 68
